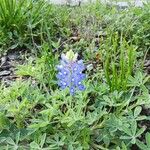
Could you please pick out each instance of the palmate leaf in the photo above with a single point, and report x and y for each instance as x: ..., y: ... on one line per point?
x: 144, y: 97
x: 71, y: 117
x: 114, y: 123
x: 139, y: 79
x: 132, y: 132
x: 143, y: 146
x: 57, y: 140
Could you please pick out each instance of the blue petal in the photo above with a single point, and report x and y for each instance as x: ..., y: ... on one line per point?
x: 81, y: 87
x: 65, y: 71
x: 72, y: 90
x: 75, y: 79
x: 78, y: 67
x: 59, y: 67
x: 62, y: 84
x: 81, y: 76
x: 81, y: 65
x: 59, y: 75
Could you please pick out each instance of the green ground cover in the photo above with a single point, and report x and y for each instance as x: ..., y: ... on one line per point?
x: 112, y: 113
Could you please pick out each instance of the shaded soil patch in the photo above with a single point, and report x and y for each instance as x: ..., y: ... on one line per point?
x: 8, y: 65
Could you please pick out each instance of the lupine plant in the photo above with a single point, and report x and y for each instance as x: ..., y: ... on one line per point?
x: 70, y: 72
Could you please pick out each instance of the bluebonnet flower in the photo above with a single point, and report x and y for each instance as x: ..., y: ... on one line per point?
x: 70, y: 72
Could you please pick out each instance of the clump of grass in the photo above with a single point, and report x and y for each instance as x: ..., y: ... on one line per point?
x: 13, y: 14
x: 30, y: 23
x: 119, y: 61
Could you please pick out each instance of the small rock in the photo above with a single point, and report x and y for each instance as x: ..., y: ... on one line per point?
x: 118, y: 5
x: 3, y: 60
x: 147, y: 63
x: 75, y: 38
x: 5, y: 73
x: 139, y: 3
x: 13, y: 56
x: 7, y: 82
x: 89, y: 67
x: 122, y: 5
x: 6, y: 67
x: 100, y: 33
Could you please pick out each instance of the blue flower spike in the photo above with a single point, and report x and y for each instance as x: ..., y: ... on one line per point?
x: 70, y: 72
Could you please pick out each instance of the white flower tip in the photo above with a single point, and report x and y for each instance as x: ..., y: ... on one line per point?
x: 71, y: 56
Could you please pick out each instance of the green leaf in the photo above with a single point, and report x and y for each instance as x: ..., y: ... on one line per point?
x: 43, y: 140
x: 14, y: 46
x: 125, y: 137
x: 134, y: 127
x: 34, y: 145
x: 39, y: 125
x: 137, y: 111
x: 133, y: 141
x: 147, y: 136
x: 127, y: 131
x: 2, y: 139
x: 140, y: 132
x: 10, y: 141
x: 146, y: 79
x: 106, y: 140
x: 124, y: 147
x: 17, y: 137
x: 141, y: 145
x: 4, y: 122
x: 141, y: 118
